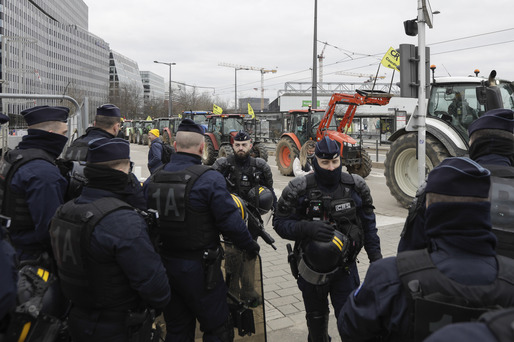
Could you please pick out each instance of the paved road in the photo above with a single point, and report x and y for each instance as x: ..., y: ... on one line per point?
x: 285, y: 313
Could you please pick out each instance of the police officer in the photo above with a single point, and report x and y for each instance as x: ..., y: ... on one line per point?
x: 31, y: 186
x: 330, y: 216
x: 155, y: 151
x: 194, y: 208
x: 108, y: 267
x: 245, y: 175
x: 107, y: 124
x: 460, y: 270
x: 492, y: 146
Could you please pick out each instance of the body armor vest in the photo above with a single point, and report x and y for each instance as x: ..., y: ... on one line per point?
x: 89, y: 284
x: 182, y: 229
x: 438, y: 300
x: 241, y: 180
x: 13, y: 204
x: 77, y: 151
x: 338, y: 208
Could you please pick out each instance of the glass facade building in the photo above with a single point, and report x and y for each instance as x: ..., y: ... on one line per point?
x: 153, y: 85
x: 46, y: 49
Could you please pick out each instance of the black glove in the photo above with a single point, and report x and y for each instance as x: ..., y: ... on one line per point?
x: 375, y: 257
x: 316, y: 230
x: 253, y: 250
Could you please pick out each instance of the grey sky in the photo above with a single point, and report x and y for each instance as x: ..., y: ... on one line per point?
x: 199, y: 34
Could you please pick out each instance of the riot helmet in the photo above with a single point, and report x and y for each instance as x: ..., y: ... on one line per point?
x: 265, y: 199
x: 241, y: 206
x: 325, y: 257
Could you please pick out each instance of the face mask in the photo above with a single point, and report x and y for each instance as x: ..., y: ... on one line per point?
x: 325, y: 177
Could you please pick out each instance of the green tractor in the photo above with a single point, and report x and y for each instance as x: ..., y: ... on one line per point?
x: 165, y: 127
x: 141, y: 131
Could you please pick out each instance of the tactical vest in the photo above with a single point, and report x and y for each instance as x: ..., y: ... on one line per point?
x: 437, y: 300
x: 183, y: 230
x: 13, y: 204
x: 337, y: 207
x: 500, y: 323
x: 307, y: 167
x: 241, y: 180
x: 89, y: 284
x: 502, y: 208
x: 77, y: 151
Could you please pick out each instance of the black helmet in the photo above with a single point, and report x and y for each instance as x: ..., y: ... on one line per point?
x: 240, y: 204
x: 265, y: 199
x: 325, y: 257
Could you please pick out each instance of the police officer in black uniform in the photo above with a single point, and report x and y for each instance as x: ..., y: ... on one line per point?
x: 330, y: 216
x: 107, y: 124
x: 492, y: 146
x: 194, y: 208
x: 108, y: 266
x: 251, y: 179
x: 408, y: 296
x: 8, y: 288
x: 31, y: 185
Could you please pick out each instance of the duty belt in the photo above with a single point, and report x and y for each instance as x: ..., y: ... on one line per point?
x: 312, y: 276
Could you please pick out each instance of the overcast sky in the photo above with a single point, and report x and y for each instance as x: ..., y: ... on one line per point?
x: 278, y: 34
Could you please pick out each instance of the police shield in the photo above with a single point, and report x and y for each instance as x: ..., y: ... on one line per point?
x: 243, y: 277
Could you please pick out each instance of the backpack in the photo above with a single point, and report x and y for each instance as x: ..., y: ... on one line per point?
x: 167, y: 151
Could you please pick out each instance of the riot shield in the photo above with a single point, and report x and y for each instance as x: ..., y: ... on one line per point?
x: 245, y: 295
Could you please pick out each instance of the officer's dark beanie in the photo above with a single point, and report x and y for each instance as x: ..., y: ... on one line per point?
x: 327, y: 148
x: 103, y: 149
x: 108, y: 110
x: 40, y: 114
x: 188, y: 125
x: 242, y: 136
x: 459, y: 176
x: 502, y: 119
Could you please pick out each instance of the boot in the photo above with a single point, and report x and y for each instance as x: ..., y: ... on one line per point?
x: 317, y: 323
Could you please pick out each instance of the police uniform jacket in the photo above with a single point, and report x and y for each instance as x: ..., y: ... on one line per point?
x: 79, y: 147
x: 44, y: 188
x: 154, y: 155
x: 464, y: 252
x: 209, y: 192
x: 294, y: 195
x: 227, y: 166
x: 122, y: 236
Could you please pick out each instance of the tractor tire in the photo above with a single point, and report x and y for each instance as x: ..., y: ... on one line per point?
x: 131, y: 137
x: 209, y: 153
x: 145, y: 139
x: 364, y: 168
x: 285, y: 154
x: 401, y: 165
x: 259, y: 151
x: 225, y: 151
x: 138, y: 139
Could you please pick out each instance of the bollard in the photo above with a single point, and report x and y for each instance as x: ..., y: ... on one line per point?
x: 376, y: 148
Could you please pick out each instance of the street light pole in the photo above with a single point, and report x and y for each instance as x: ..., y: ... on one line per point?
x: 169, y: 89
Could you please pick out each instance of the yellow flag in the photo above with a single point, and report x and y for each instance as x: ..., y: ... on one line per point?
x: 217, y: 109
x: 180, y: 116
x: 149, y: 118
x: 250, y: 111
x: 391, y: 59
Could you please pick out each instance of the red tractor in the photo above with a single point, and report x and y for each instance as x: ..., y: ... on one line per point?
x: 219, y: 137
x: 303, y: 125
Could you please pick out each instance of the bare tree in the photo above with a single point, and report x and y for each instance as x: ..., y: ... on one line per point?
x: 129, y: 99
x: 194, y: 100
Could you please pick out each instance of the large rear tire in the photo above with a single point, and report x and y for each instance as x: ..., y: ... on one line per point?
x: 209, y: 154
x: 145, y: 139
x: 364, y: 168
x: 259, y: 151
x: 401, y: 165
x: 285, y: 154
x: 225, y: 151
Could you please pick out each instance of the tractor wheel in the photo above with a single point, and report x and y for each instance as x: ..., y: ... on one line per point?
x: 401, y: 165
x: 225, y: 151
x: 285, y: 154
x: 259, y: 151
x: 364, y: 168
x: 138, y: 139
x: 144, y: 139
x: 209, y: 154
x: 131, y: 137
